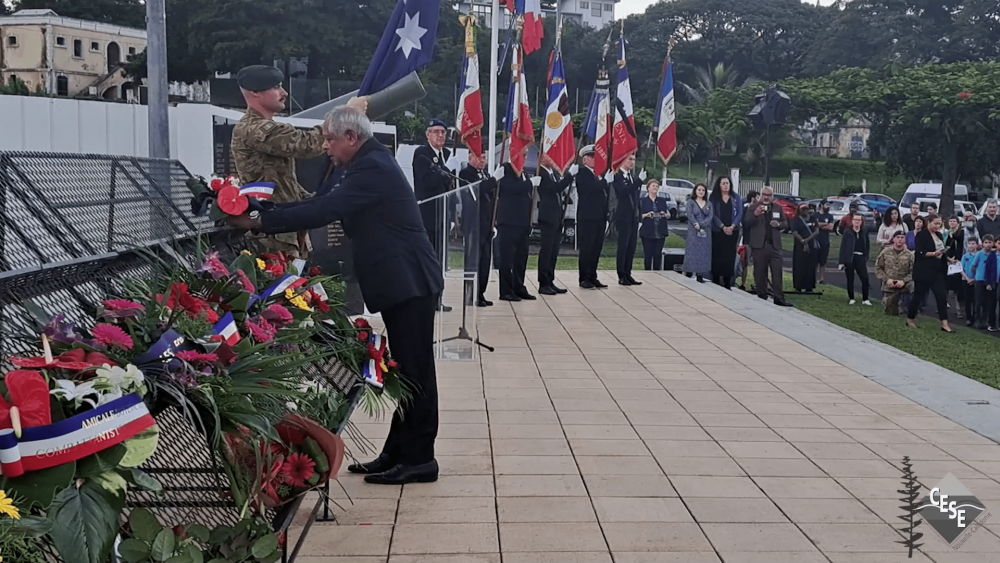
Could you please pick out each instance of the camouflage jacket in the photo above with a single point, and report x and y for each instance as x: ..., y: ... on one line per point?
x: 264, y: 150
x: 893, y: 264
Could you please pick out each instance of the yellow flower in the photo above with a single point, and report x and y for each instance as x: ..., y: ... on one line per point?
x: 247, y: 252
x: 7, y: 507
x: 260, y: 264
x: 300, y: 303
x: 289, y: 294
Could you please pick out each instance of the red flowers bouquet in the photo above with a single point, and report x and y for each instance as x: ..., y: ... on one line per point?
x: 225, y: 196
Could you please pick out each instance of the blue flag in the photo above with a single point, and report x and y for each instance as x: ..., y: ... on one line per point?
x: 407, y: 44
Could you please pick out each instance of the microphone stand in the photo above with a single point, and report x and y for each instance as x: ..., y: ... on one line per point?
x: 463, y: 332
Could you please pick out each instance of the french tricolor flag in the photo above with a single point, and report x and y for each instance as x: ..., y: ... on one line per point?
x: 258, y: 190
x: 226, y: 327
x: 533, y: 31
x: 625, y: 142
x: 666, y: 126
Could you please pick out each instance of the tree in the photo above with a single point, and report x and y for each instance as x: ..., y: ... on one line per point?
x: 128, y: 13
x: 710, y: 78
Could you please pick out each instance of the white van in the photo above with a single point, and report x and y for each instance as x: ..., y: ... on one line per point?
x: 929, y: 191
x: 680, y: 190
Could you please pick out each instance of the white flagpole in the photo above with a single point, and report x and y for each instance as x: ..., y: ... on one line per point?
x: 494, y: 55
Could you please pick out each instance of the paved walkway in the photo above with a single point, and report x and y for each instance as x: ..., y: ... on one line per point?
x: 654, y: 424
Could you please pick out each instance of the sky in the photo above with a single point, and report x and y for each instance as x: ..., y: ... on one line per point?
x: 629, y: 7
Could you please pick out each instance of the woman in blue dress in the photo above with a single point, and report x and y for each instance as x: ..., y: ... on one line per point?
x: 701, y: 221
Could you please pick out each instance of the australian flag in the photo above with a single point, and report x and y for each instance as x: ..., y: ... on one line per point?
x: 407, y: 44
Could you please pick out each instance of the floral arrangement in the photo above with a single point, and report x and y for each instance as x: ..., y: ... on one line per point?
x: 225, y: 196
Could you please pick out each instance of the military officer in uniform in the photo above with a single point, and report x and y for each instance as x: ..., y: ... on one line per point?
x: 627, y: 186
x: 550, y: 220
x: 430, y: 178
x: 478, y: 230
x: 591, y: 217
x: 513, y: 226
x: 264, y: 150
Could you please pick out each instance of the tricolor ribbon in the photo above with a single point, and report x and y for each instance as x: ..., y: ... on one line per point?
x: 165, y: 348
x: 41, y: 447
x: 375, y: 368
x: 258, y: 190
x: 226, y: 328
x: 285, y: 282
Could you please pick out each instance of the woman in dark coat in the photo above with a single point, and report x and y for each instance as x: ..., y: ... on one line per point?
x: 930, y: 270
x: 653, y: 232
x: 855, y: 248
x: 806, y: 251
x: 728, y: 209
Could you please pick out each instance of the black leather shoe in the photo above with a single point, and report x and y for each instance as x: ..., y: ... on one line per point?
x: 445, y: 308
x: 623, y: 281
x: 547, y: 290
x: 632, y: 281
x: 403, y: 474
x: 483, y: 303
x: 587, y: 285
x: 598, y: 284
x: 558, y: 289
x: 509, y: 298
x: 526, y: 296
x: 377, y: 465
x: 783, y: 304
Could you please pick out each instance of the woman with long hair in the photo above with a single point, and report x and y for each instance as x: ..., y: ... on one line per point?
x: 728, y: 210
x: 653, y: 231
x: 929, y: 272
x: 701, y: 221
x: 892, y: 221
x: 855, y: 248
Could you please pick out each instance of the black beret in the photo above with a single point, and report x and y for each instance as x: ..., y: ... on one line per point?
x: 258, y: 78
x: 436, y: 123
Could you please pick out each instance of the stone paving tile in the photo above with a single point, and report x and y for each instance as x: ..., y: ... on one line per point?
x: 684, y: 442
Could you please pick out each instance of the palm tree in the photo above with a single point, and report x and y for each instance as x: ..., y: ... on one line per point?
x: 710, y: 78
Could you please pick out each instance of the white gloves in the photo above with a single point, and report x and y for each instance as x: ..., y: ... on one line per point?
x: 574, y: 169
x: 642, y: 175
x: 499, y: 172
x: 536, y: 181
x: 454, y: 163
x: 609, y: 177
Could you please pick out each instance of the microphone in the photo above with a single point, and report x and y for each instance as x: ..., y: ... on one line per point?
x: 437, y: 168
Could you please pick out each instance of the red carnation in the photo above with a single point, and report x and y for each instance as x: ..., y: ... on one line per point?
x: 110, y: 335
x: 361, y: 323
x: 363, y: 336
x: 322, y: 306
x: 393, y: 364
x: 275, y: 269
x: 231, y: 201
x: 218, y: 183
x: 314, y: 271
x: 195, y: 357
x: 964, y: 95
x: 245, y: 281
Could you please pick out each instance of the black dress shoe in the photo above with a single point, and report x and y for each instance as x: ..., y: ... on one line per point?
x: 558, y: 289
x: 526, y: 296
x: 483, y: 303
x: 632, y: 281
x: 548, y: 290
x: 623, y: 281
x: 587, y: 285
x: 403, y: 474
x: 509, y: 298
x: 445, y: 308
x: 598, y: 284
x: 783, y: 304
x: 377, y: 465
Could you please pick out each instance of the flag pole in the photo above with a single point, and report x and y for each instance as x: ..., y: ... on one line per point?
x: 494, y: 48
x: 514, y: 101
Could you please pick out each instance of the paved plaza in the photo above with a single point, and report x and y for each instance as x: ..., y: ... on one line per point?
x: 661, y: 424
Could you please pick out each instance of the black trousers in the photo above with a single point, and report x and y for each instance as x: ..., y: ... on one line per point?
x: 652, y: 253
x: 986, y: 301
x: 513, y: 258
x: 768, y: 259
x: 478, y: 253
x: 548, y: 253
x: 591, y: 235
x: 969, y: 289
x: 627, y: 235
x: 409, y: 328
x: 859, y: 265
x: 940, y: 289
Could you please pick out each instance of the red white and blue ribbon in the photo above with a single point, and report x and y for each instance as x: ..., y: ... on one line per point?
x: 285, y: 282
x: 226, y: 327
x: 258, y: 190
x: 41, y: 447
x: 374, y: 368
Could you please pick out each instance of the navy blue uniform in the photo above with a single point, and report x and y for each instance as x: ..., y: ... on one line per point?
x: 550, y: 221
x: 591, y: 221
x: 513, y: 225
x: 478, y: 231
x: 626, y: 220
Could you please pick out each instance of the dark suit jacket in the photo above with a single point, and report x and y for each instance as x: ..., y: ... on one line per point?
x: 593, y: 196
x: 628, y: 197
x: 550, y: 209
x: 485, y: 198
x: 653, y: 227
x: 926, y: 268
x: 393, y: 256
x: 850, y: 243
x: 428, y: 183
x: 515, y: 199
x: 756, y: 226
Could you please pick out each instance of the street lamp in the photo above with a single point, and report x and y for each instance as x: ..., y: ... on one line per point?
x: 771, y: 108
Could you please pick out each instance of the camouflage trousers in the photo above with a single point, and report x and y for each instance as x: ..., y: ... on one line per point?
x: 891, y: 296
x: 283, y: 243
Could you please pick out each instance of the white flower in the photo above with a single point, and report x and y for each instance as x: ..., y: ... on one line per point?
x: 115, y: 378
x: 290, y: 405
x: 76, y: 394
x: 112, y: 395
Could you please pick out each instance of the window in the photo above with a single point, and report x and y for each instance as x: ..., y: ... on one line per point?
x: 584, y: 5
x: 12, y: 41
x: 595, y: 10
x: 131, y: 50
x: 483, y: 12
x: 95, y: 46
x: 62, y: 86
x: 78, y: 48
x: 609, y: 7
x: 60, y: 41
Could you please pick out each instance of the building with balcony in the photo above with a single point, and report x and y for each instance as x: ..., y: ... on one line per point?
x: 67, y: 57
x: 583, y: 12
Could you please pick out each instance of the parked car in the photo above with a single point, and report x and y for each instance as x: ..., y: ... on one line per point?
x: 916, y: 191
x: 679, y: 190
x: 878, y: 202
x: 789, y: 205
x: 960, y: 206
x: 841, y: 206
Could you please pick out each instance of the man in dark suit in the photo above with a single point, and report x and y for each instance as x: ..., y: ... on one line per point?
x: 398, y: 274
x: 430, y: 178
x: 550, y: 220
x: 764, y: 221
x: 478, y: 225
x: 513, y: 226
x: 591, y: 217
x: 627, y: 218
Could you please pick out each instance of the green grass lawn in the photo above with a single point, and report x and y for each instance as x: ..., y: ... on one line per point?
x: 968, y: 352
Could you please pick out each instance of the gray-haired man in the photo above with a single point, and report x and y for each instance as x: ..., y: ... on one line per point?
x: 764, y: 221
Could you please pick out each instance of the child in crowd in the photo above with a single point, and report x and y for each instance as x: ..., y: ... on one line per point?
x: 969, y: 280
x: 987, y: 272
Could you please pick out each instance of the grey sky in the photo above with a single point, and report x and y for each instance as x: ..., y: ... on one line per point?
x: 629, y: 7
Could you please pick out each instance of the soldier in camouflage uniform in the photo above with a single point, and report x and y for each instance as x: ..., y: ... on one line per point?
x: 264, y: 150
x: 894, y: 266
